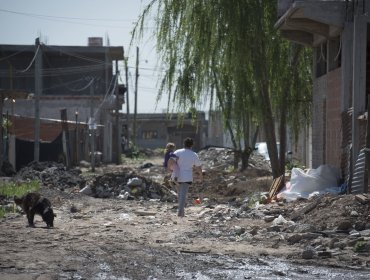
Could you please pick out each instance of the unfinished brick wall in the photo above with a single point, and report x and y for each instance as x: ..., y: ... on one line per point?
x: 326, y: 120
x: 333, y: 118
x: 318, y: 123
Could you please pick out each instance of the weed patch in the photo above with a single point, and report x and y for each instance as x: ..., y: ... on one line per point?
x: 9, y: 190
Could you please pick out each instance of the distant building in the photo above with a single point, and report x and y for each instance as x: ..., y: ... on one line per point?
x: 157, y: 129
x: 80, y: 79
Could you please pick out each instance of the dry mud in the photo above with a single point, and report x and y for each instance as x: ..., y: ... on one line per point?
x: 116, y: 239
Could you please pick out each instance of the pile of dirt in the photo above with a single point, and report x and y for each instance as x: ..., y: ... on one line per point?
x: 222, y: 159
x: 128, y: 185
x: 342, y: 213
x: 221, y: 182
x: 51, y: 174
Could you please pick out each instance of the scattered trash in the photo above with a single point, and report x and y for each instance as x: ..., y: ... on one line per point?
x: 303, y: 184
x: 197, y: 201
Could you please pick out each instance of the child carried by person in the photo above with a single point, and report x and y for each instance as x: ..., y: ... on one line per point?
x: 170, y: 162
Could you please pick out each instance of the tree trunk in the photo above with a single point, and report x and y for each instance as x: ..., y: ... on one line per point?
x: 269, y: 128
x: 283, y: 116
x: 245, y: 155
x: 237, y: 155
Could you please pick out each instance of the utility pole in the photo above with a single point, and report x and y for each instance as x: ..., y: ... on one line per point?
x: 92, y: 128
x: 127, y: 106
x: 118, y: 134
x: 136, y: 82
x: 38, y: 92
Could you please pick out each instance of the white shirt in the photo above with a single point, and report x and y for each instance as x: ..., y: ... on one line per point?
x: 186, y: 160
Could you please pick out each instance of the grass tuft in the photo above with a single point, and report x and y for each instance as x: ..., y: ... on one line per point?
x: 9, y: 190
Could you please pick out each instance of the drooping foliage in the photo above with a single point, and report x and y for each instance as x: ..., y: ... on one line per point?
x: 229, y: 50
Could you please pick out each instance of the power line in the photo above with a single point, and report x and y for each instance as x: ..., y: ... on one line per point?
x: 77, y: 55
x: 83, y: 88
x: 64, y: 84
x: 107, y: 94
x: 73, y: 20
x: 58, y: 71
x: 13, y: 54
x: 33, y: 59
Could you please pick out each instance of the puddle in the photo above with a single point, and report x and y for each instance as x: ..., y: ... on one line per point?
x: 223, y: 267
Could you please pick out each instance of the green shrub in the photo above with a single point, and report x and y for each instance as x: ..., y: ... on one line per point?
x: 2, y: 212
x: 360, y: 246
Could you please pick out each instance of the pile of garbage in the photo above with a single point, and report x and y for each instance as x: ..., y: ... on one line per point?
x: 51, y: 174
x: 146, y: 181
x: 126, y: 185
x: 216, y: 158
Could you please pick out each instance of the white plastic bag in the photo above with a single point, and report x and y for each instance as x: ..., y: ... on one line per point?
x: 320, y: 179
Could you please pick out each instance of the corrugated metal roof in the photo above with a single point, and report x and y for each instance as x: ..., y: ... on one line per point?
x: 24, y: 128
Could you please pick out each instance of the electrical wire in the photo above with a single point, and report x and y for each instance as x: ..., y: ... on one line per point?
x: 339, y: 49
x: 73, y: 18
x: 64, y: 84
x: 60, y: 71
x: 14, y: 54
x: 83, y: 88
x: 77, y: 56
x: 33, y: 59
x: 56, y: 19
x: 107, y: 95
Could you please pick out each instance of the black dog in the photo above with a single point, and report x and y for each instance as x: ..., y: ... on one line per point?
x: 34, y: 203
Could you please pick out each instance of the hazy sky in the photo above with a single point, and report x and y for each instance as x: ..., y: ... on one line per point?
x: 71, y: 22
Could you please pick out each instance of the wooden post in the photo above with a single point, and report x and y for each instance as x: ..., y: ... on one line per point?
x: 127, y: 108
x: 66, y: 148
x: 134, y: 136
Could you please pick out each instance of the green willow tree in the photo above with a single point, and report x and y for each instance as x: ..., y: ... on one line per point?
x: 231, y: 48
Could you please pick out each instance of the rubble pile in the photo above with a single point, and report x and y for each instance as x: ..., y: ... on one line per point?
x: 222, y: 159
x: 51, y: 174
x: 146, y: 180
x: 223, y: 183
x: 126, y: 185
x: 324, y: 226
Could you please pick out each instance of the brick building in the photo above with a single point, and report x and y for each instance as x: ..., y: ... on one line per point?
x: 338, y: 33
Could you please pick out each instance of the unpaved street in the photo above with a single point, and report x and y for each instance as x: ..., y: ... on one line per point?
x: 115, y: 239
x: 222, y: 238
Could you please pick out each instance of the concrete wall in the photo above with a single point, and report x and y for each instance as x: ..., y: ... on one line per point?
x: 216, y: 131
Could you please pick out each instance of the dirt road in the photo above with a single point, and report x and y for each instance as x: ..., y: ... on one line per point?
x: 223, y: 238
x: 120, y: 239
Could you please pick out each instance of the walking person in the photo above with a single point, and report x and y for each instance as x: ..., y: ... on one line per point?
x: 186, y: 160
